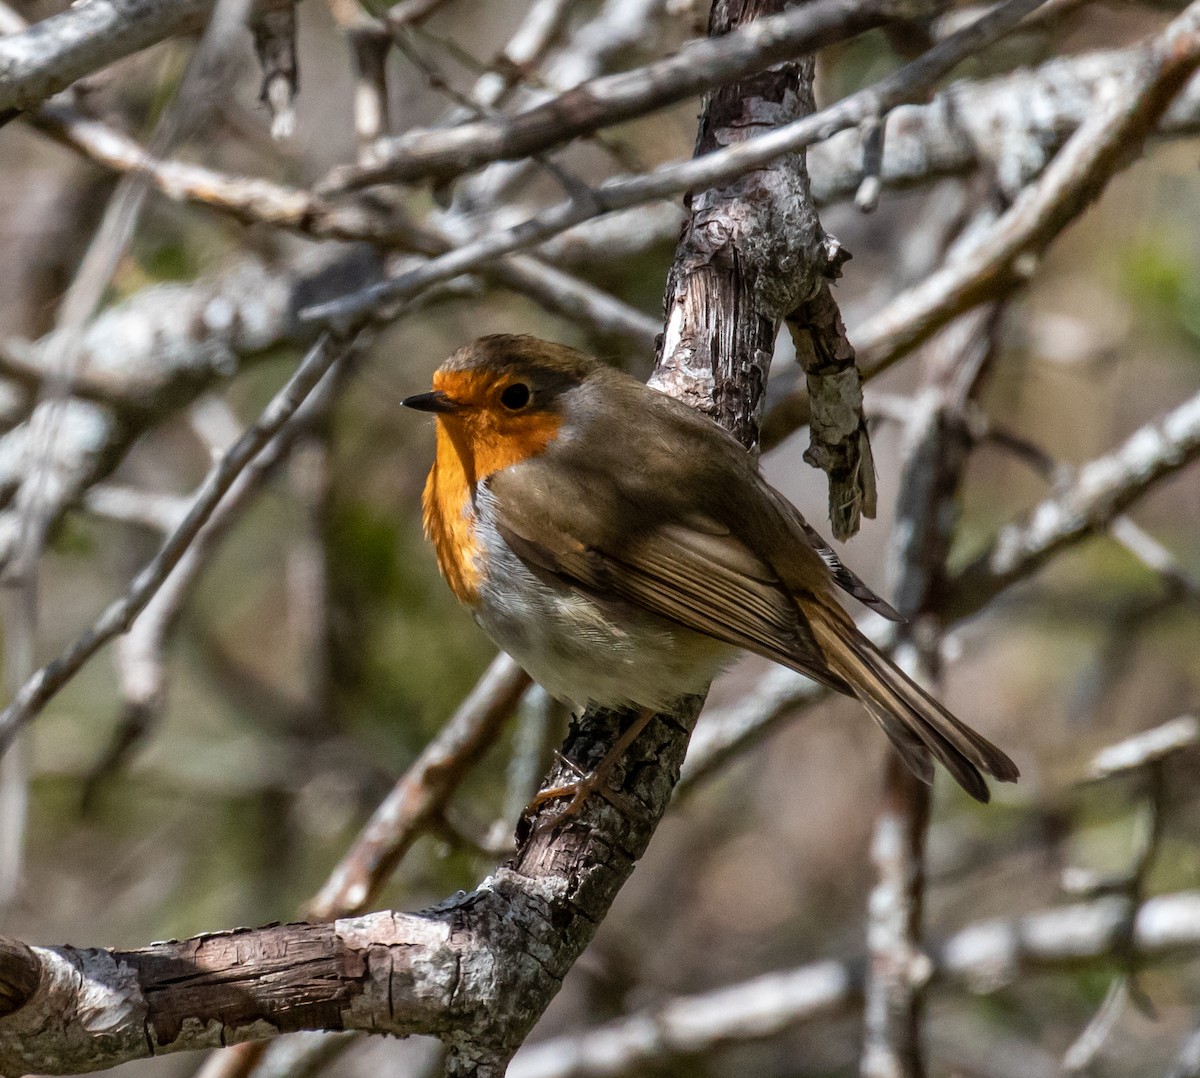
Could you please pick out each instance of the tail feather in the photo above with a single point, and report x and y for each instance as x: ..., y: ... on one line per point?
x: 918, y: 726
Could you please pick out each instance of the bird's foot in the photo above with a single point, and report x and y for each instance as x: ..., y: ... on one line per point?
x: 582, y: 786
x: 586, y: 783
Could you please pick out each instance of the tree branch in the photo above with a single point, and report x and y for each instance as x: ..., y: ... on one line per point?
x: 413, y: 973
x: 119, y: 615
x: 698, y: 67
x: 53, y: 53
x: 721, y: 166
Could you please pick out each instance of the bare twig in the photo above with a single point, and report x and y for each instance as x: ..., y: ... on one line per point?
x: 275, y: 43
x: 1147, y: 748
x: 141, y: 663
x: 1102, y: 489
x: 524, y: 51
x: 698, y: 67
x: 1008, y: 252
x: 710, y: 170
x: 118, y: 616
x: 935, y: 451
x: 261, y: 201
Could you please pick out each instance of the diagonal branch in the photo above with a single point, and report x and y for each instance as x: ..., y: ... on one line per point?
x: 699, y: 67
x: 119, y: 615
x: 1101, y: 490
x: 713, y: 169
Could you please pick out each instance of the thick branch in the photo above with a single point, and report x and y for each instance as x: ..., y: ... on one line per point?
x: 53, y: 53
x: 415, y: 973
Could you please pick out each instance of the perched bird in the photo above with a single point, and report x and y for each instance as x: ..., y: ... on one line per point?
x: 621, y: 547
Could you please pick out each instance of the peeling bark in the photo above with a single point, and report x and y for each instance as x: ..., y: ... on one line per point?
x: 752, y: 254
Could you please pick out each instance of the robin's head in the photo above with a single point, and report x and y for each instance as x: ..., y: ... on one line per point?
x: 500, y: 398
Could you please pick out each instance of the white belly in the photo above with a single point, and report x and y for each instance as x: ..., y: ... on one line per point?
x: 586, y: 650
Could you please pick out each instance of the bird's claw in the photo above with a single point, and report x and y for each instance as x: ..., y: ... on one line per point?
x: 585, y: 784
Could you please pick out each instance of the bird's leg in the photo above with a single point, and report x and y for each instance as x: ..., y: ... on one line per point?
x: 591, y: 782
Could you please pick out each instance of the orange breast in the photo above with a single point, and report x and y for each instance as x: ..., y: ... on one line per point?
x: 470, y: 447
x: 449, y: 519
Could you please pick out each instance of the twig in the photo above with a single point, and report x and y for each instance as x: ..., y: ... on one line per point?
x: 1102, y: 489
x: 141, y: 663
x: 935, y: 452
x: 1010, y: 126
x: 699, y: 66
x: 1145, y: 749
x: 261, y: 201
x: 411, y: 12
x: 1007, y: 254
x: 710, y: 170
x: 524, y: 50
x: 119, y: 615
x: 275, y: 44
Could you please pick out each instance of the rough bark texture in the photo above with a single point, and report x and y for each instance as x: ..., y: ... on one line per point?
x: 751, y: 252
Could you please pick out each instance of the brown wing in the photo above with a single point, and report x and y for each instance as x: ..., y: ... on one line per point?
x: 688, y: 568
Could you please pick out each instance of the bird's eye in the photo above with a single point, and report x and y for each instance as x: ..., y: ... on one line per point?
x: 515, y: 396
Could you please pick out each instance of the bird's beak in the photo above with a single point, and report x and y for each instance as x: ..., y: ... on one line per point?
x: 437, y: 401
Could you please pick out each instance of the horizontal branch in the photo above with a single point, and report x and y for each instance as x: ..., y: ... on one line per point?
x: 1011, y: 125
x: 416, y: 973
x: 699, y: 67
x: 256, y: 201
x: 53, y: 53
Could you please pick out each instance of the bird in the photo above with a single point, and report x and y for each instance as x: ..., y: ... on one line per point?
x: 623, y: 548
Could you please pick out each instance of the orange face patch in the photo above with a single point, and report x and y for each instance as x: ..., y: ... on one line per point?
x: 482, y: 437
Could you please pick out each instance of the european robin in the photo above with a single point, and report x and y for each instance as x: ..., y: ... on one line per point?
x: 621, y: 547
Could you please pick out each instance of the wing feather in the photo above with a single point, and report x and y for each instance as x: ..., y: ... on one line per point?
x: 690, y: 569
